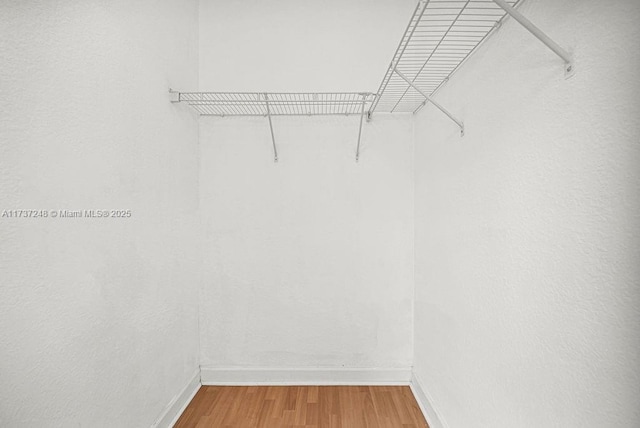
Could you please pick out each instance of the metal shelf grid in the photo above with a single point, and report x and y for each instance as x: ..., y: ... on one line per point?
x: 277, y: 104
x: 439, y: 37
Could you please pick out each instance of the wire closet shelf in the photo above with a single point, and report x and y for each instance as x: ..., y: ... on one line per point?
x: 277, y: 104
x: 440, y: 36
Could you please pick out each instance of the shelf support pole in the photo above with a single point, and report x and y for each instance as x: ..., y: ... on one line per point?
x: 531, y: 27
x: 364, y: 99
x: 273, y: 139
x: 432, y: 101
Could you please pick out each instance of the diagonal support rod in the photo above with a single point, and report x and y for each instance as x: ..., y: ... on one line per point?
x: 364, y: 98
x: 273, y: 139
x: 432, y: 101
x: 531, y: 27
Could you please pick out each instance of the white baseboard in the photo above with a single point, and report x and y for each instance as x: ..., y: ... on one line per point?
x: 300, y: 376
x: 304, y: 376
x: 433, y: 417
x: 174, y: 409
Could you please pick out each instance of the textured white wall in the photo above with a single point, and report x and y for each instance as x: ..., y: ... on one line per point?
x: 308, y: 262
x: 98, y: 317
x: 298, y: 45
x: 527, y: 239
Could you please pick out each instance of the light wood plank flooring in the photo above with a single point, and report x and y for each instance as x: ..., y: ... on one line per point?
x: 303, y: 406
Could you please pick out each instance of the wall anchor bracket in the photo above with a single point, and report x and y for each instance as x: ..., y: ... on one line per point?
x: 175, y: 96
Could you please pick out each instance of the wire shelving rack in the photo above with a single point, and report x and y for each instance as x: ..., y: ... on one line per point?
x: 440, y: 36
x: 269, y: 104
x: 277, y: 103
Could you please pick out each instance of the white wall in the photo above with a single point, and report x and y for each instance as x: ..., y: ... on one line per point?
x: 98, y: 317
x: 526, y: 246
x: 298, y: 45
x: 527, y: 235
x: 308, y: 262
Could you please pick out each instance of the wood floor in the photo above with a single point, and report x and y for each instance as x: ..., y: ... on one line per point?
x: 303, y: 406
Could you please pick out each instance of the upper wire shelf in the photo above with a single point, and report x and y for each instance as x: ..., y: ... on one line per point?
x: 270, y: 104
x: 277, y: 103
x: 439, y: 37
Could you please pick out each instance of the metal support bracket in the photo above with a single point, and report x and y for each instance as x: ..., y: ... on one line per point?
x: 569, y: 68
x: 364, y: 100
x: 432, y: 101
x: 273, y: 139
